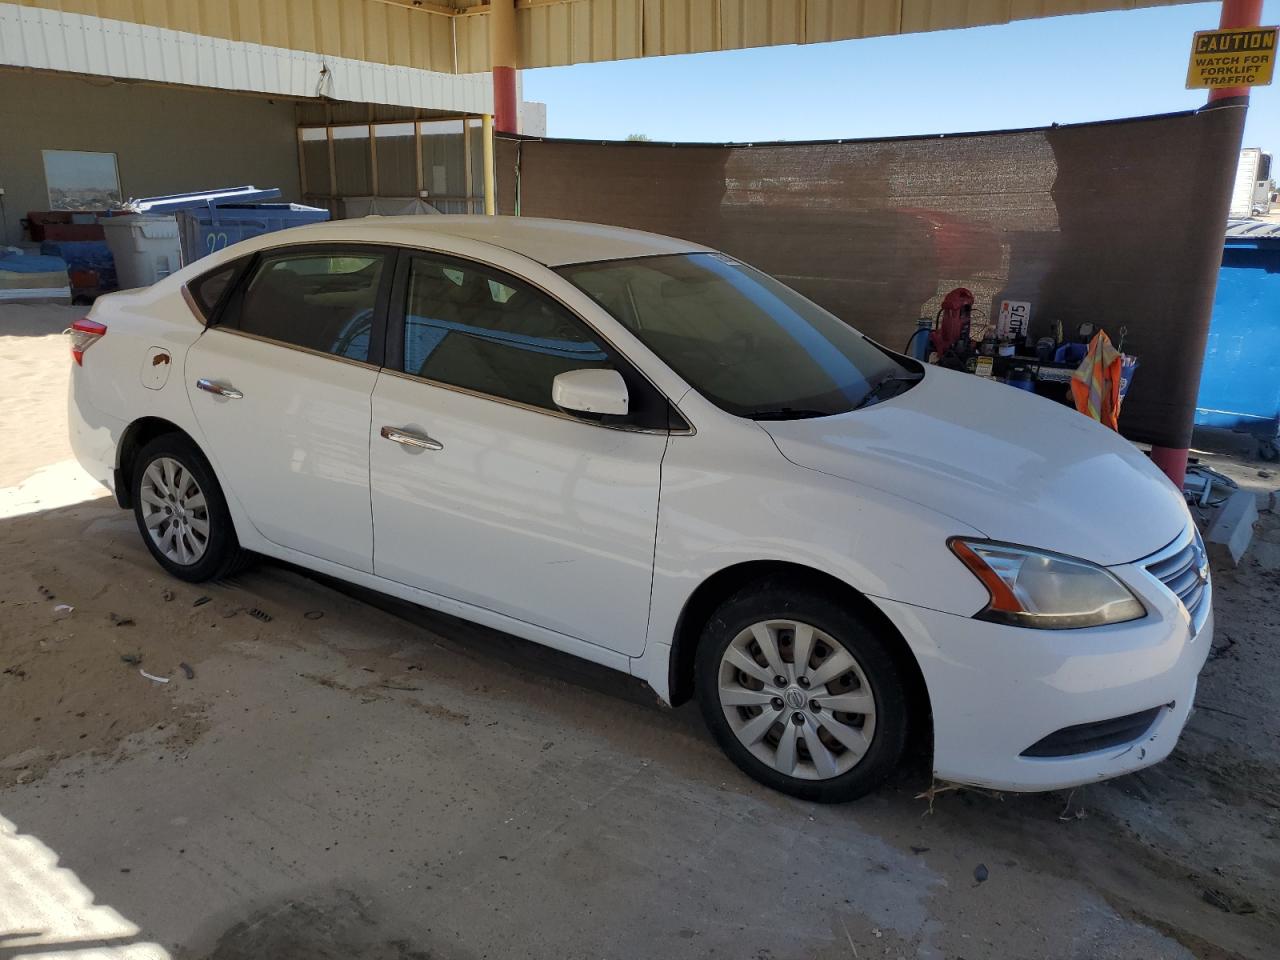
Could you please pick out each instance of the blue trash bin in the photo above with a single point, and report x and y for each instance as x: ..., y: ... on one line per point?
x: 205, y: 231
x: 1240, y: 383
x: 210, y: 220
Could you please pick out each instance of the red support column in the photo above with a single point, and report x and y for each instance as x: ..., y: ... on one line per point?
x: 503, y: 51
x: 1236, y: 14
x: 506, y: 115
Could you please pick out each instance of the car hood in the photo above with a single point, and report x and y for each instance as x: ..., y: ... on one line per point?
x: 1018, y: 467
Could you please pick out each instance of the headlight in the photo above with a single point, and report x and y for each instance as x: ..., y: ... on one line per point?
x: 1032, y: 588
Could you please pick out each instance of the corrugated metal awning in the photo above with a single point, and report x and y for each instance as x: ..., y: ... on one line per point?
x: 43, y: 39
x: 1251, y: 232
x: 452, y: 36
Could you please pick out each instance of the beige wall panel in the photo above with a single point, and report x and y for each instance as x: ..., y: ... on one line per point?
x: 439, y: 53
x: 786, y: 21
x: 215, y: 18
x: 628, y: 30
x: 468, y: 33
x: 651, y: 27
x: 329, y: 27
x: 756, y: 16
x: 351, y: 18
x: 847, y: 19
x: 580, y: 25
x: 274, y: 18
x: 154, y: 12
x: 558, y: 33
x: 730, y: 31
x: 684, y: 26
x: 704, y: 25
x: 302, y: 29
x: 398, y: 25
x: 918, y: 14
x: 602, y: 30
x: 246, y: 20
x: 672, y: 24
x: 116, y: 9
x: 533, y: 42
x: 376, y: 45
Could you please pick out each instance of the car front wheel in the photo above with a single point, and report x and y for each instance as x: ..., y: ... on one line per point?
x: 181, y: 512
x: 801, y: 693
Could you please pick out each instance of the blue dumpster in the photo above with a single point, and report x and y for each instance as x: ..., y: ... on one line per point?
x: 213, y: 219
x: 205, y: 230
x: 1240, y: 383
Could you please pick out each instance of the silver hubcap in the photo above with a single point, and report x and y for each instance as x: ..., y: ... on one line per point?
x: 174, y: 511
x: 797, y: 699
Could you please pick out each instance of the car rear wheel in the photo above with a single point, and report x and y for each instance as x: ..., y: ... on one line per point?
x: 181, y: 512
x: 801, y: 693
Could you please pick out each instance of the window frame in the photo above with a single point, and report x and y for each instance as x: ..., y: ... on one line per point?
x: 227, y: 315
x: 637, y: 382
x: 120, y: 195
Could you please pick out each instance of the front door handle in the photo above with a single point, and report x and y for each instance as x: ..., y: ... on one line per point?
x: 218, y: 390
x: 407, y: 438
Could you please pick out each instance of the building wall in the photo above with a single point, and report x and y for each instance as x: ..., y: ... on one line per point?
x: 166, y: 139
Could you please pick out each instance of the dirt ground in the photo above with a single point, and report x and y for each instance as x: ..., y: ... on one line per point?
x: 328, y: 774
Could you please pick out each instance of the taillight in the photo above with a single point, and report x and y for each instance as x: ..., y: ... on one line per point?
x: 84, y: 334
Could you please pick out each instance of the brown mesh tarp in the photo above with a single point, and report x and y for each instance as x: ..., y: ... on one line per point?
x: 1119, y: 223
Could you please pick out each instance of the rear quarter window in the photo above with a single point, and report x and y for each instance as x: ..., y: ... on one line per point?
x: 208, y: 290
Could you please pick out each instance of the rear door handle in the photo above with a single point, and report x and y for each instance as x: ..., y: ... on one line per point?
x: 407, y: 438
x: 218, y: 389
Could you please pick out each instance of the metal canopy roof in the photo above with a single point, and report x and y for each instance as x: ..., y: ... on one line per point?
x: 1243, y: 233
x: 451, y: 36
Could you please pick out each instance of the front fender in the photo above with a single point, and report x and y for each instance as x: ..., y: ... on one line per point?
x: 718, y: 511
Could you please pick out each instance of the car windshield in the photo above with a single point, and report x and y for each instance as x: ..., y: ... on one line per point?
x: 748, y: 343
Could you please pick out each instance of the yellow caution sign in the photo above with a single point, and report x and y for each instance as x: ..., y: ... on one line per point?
x: 1232, y: 58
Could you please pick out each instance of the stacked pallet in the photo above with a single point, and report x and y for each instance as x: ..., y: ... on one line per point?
x: 33, y: 278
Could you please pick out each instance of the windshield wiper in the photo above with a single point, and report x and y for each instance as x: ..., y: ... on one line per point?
x: 874, y: 394
x: 789, y: 413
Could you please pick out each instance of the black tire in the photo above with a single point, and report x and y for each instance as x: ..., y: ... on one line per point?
x: 786, y: 599
x: 222, y: 555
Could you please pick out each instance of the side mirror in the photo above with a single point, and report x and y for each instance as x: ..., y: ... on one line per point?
x: 601, y: 393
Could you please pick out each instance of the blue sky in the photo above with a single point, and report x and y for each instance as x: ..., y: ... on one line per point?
x: 1065, y: 70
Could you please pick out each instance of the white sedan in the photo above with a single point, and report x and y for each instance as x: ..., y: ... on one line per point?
x: 650, y: 455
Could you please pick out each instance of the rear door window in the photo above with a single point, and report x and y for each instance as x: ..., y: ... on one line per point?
x: 326, y: 300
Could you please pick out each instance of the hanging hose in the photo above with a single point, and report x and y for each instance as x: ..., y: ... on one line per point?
x: 912, y: 339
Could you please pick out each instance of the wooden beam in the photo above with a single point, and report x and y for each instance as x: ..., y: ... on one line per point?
x: 490, y: 189
x: 333, y: 167
x: 302, y: 166
x: 417, y: 154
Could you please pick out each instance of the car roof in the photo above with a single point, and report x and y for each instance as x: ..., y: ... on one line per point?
x: 553, y: 243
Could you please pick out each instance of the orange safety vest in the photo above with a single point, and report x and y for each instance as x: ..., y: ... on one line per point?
x: 1095, y: 386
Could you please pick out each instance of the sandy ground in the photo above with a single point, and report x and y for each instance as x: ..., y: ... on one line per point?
x: 34, y: 359
x: 345, y: 776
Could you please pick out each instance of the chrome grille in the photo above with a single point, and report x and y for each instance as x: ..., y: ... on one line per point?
x: 1184, y: 569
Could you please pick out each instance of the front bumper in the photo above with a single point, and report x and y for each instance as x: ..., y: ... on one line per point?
x: 997, y: 690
